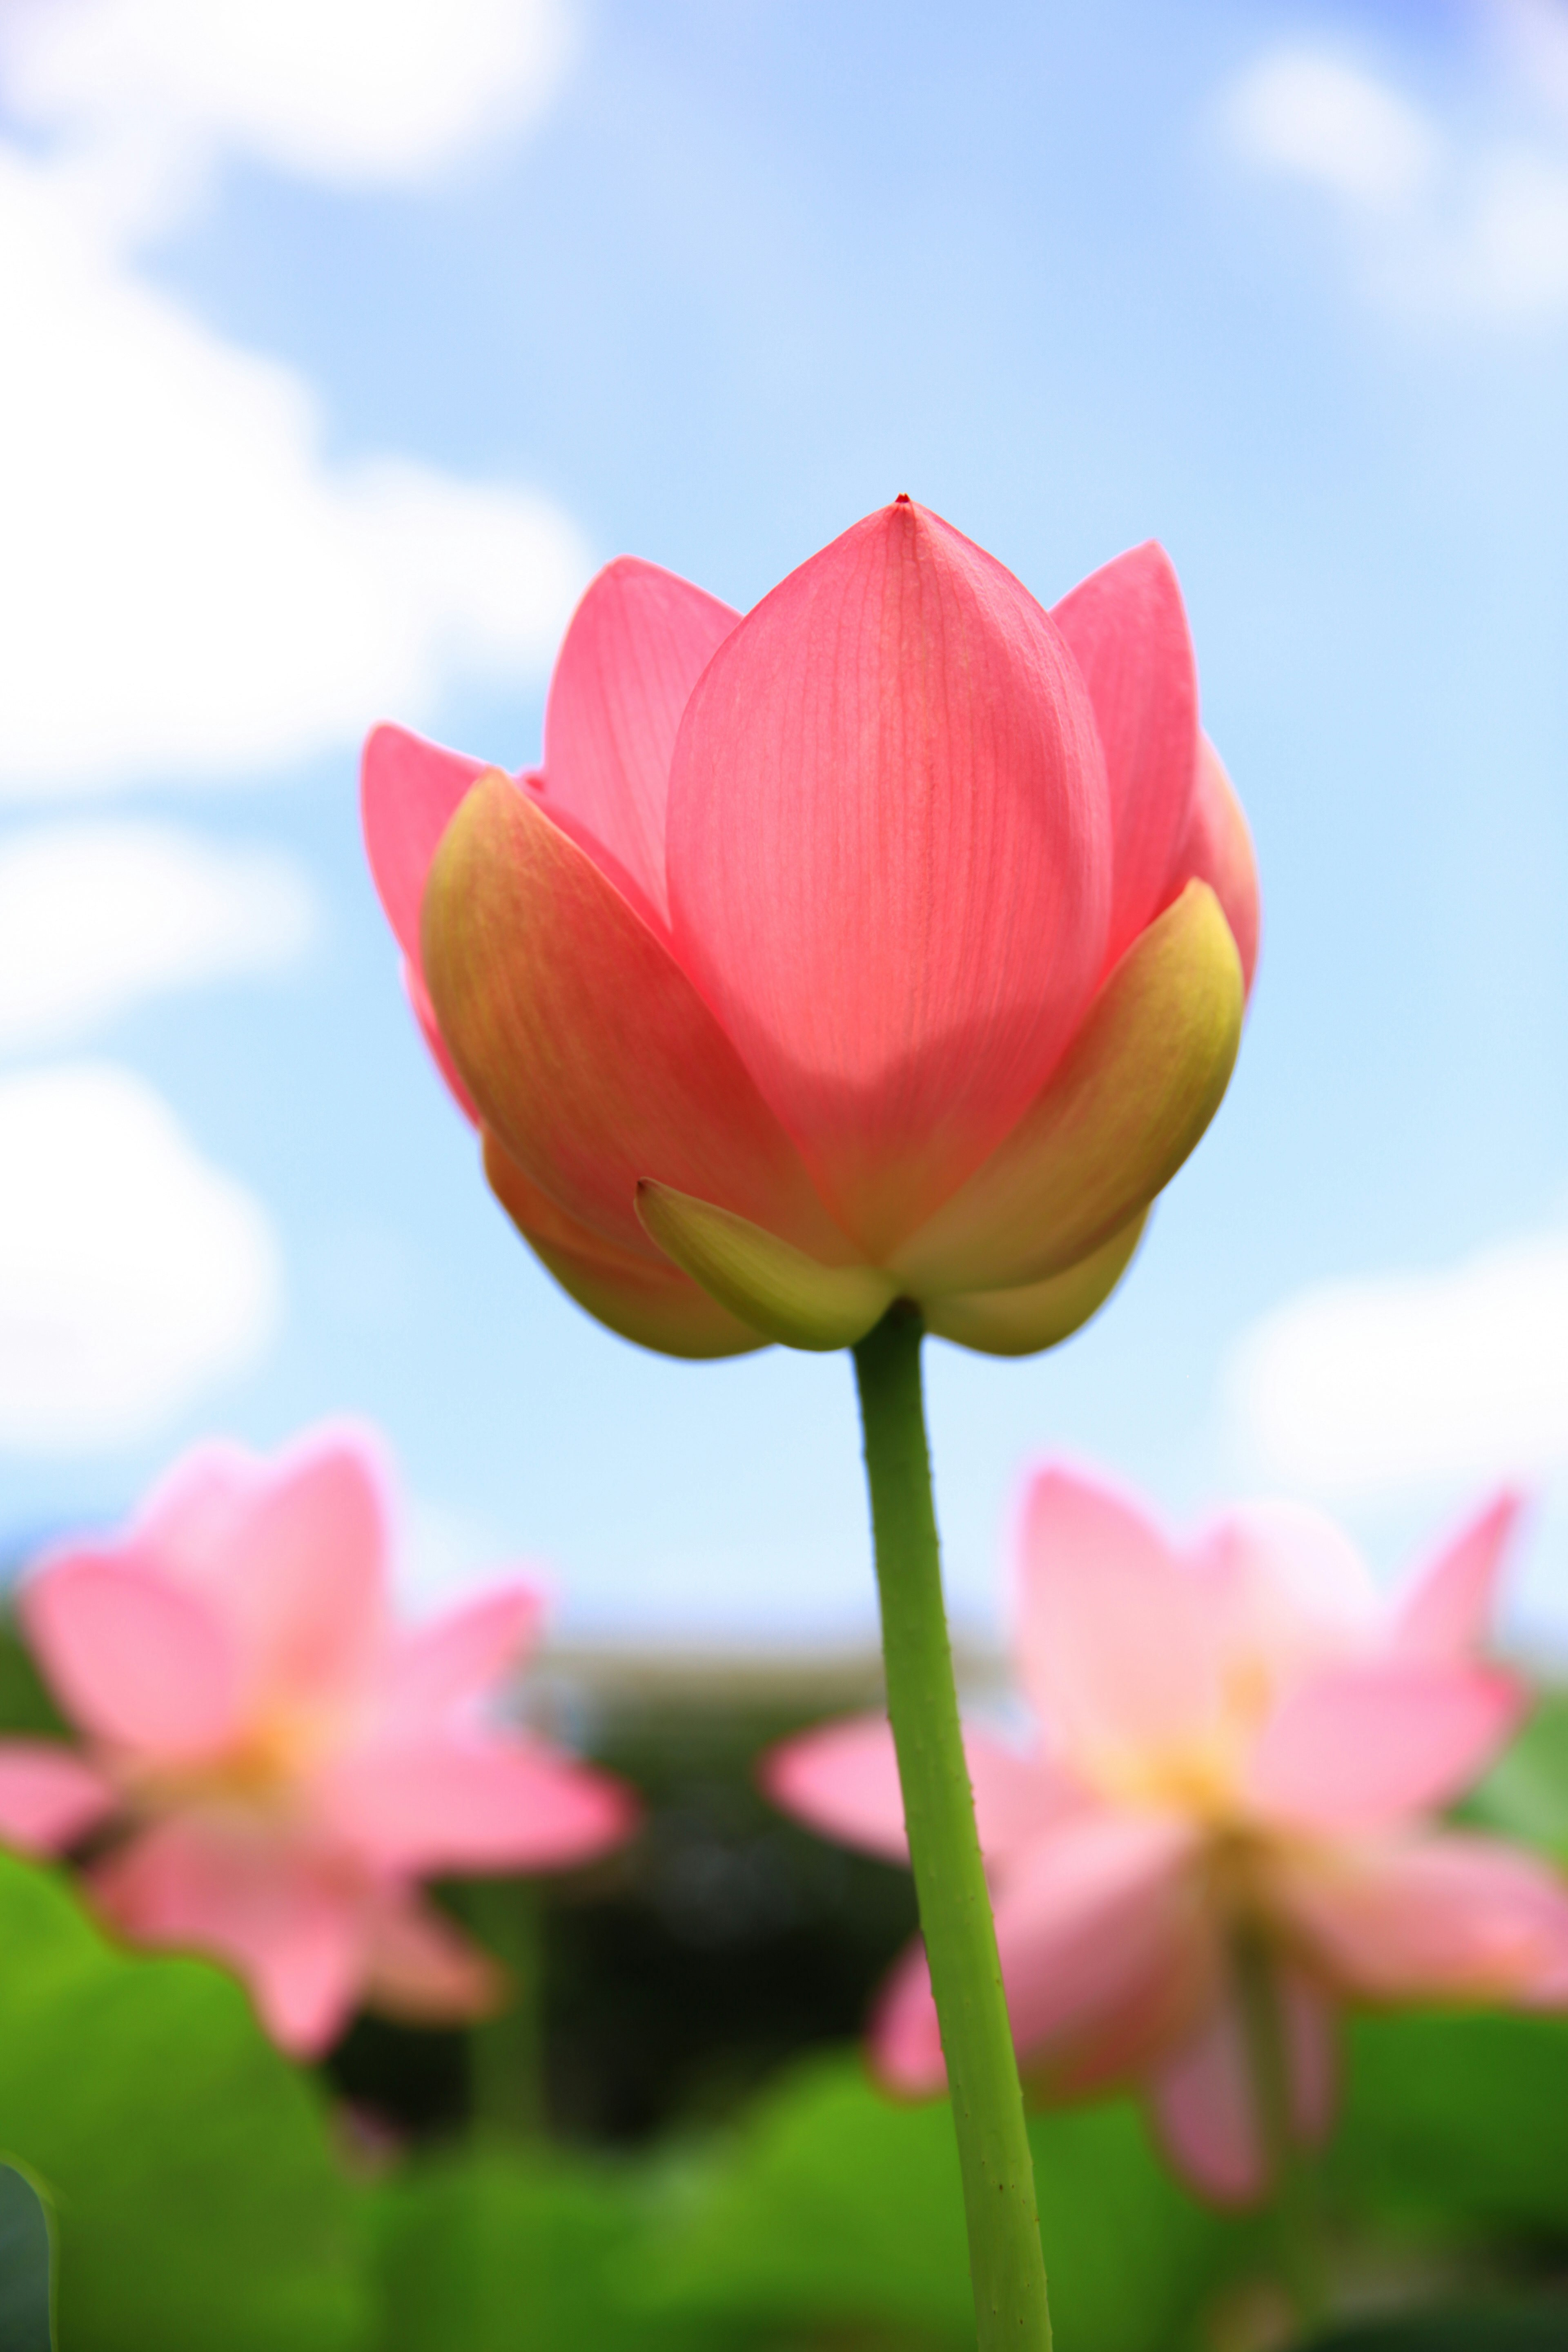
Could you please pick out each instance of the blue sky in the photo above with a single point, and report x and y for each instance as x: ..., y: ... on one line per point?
x: 334, y: 396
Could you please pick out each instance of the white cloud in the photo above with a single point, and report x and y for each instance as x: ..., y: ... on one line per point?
x: 1404, y: 1383
x: 189, y: 589
x: 1469, y: 228
x: 1316, y: 116
x: 351, y: 90
x: 133, y: 1275
x: 95, y: 916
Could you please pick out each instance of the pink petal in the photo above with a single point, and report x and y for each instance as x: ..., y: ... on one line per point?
x: 842, y: 1779
x: 903, y: 2037
x: 409, y: 792
x: 1295, y: 1592
x: 1118, y: 1644
x: 423, y: 1806
x: 187, y: 1522
x: 430, y: 1030
x: 1446, y: 1614
x: 435, y: 1668
x: 1102, y: 1943
x: 889, y: 859
x: 422, y: 1968
x: 1438, y: 1917
x: 1205, y: 2101
x: 1219, y: 850
x: 48, y: 1796
x: 1359, y: 1747
x: 650, y: 1301
x: 304, y: 1574
x: 293, y: 1929
x: 133, y: 1658
x: 1126, y: 628
x: 585, y: 1045
x: 1103, y: 1937
x: 638, y: 642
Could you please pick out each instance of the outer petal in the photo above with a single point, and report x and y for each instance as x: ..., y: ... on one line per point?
x: 1360, y: 1746
x: 416, y: 1806
x: 1441, y: 1917
x: 889, y: 859
x: 435, y: 1669
x: 293, y: 1929
x: 774, y: 1287
x: 1119, y: 1644
x: 304, y: 1576
x: 1127, y: 630
x: 133, y: 1658
x: 1039, y: 1314
x: 638, y: 642
x: 430, y: 1030
x: 656, y: 1304
x: 49, y: 1797
x: 409, y: 793
x: 1206, y: 2104
x: 1445, y: 1614
x: 1218, y: 851
x: 1101, y: 1943
x: 1142, y: 1080
x: 842, y: 1779
x: 585, y: 1045
x: 422, y: 1968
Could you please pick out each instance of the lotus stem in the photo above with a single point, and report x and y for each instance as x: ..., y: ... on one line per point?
x: 1285, y: 2164
x: 506, y: 2052
x: 1006, y: 2265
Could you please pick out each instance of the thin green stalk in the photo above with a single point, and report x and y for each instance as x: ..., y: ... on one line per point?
x: 1285, y: 2161
x: 506, y: 2052
x: 1006, y: 2266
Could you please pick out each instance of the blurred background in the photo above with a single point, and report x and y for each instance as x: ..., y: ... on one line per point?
x: 344, y: 341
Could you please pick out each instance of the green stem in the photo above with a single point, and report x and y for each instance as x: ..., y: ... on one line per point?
x: 1285, y: 2161
x: 506, y: 2052
x: 1006, y: 2266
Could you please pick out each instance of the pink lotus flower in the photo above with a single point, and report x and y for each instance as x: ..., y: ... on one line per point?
x: 1236, y: 1743
x: 280, y: 1761
x: 890, y: 941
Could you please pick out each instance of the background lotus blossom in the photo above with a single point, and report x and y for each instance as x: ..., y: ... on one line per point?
x: 891, y: 941
x: 278, y: 1762
x: 1237, y: 1742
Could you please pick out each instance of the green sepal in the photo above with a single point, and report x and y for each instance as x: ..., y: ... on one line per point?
x: 772, y: 1285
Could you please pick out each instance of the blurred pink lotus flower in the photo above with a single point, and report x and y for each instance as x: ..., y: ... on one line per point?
x: 890, y: 941
x: 281, y: 1762
x: 1237, y: 1742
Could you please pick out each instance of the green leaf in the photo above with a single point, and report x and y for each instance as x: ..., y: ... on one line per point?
x: 26, y: 2265
x: 836, y: 2208
x: 1540, y: 2326
x: 1525, y: 1794
x: 197, y: 2205
x: 497, y: 2249
x: 24, y: 1702
x: 1455, y: 2124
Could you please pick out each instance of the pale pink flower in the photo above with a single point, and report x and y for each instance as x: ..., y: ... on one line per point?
x: 1235, y: 1739
x: 277, y: 1762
